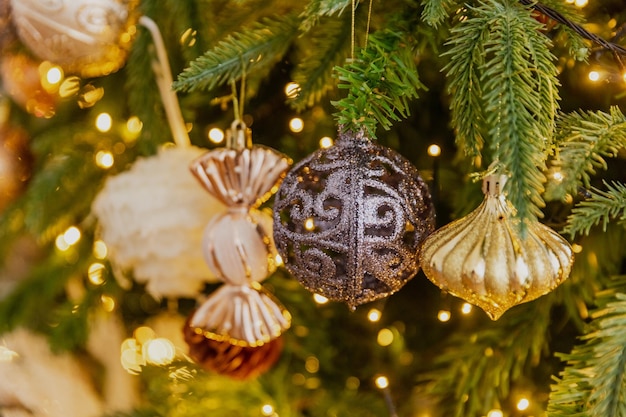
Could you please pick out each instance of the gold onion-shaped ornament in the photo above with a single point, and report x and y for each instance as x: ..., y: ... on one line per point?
x: 484, y: 259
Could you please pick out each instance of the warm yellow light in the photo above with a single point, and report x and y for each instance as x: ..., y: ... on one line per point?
x: 624, y: 77
x: 385, y: 337
x: 7, y: 355
x: 495, y: 413
x: 61, y: 244
x: 188, y: 37
x: 95, y: 273
x: 576, y: 248
x: 312, y: 364
x: 309, y: 224
x: 54, y: 75
x: 159, y: 351
x: 108, y: 303
x: 594, y: 75
x: 134, y: 125
x: 320, y: 299
x: 292, y: 90
x: 216, y: 135
x: 374, y: 315
x: 267, y: 410
x: 523, y: 404
x: 581, y: 3
x: 100, y: 249
x: 72, y: 235
x: 466, y: 308
x: 326, y: 142
x: 352, y: 382
x: 104, y: 159
x: 278, y: 259
x: 443, y: 315
x: 104, y: 122
x: 558, y: 176
x: 143, y: 334
x: 434, y: 150
x: 296, y: 125
x: 381, y: 382
x: 69, y: 86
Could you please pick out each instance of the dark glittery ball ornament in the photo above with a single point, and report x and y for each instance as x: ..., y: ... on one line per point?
x: 349, y: 220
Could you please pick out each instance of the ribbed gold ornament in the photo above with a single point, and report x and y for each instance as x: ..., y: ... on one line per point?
x: 484, y: 259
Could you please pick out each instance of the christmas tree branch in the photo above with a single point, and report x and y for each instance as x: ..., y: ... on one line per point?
x: 483, y: 366
x: 326, y: 48
x: 583, y: 141
x: 594, y: 379
x: 600, y: 207
x: 255, y: 49
x: 380, y: 82
x: 500, y: 45
x: 436, y: 11
x: 316, y: 9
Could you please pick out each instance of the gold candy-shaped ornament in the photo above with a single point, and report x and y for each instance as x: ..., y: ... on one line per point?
x: 238, y: 245
x: 484, y: 259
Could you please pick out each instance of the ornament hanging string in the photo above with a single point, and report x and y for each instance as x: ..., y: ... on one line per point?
x: 238, y: 137
x: 163, y: 73
x: 353, y: 28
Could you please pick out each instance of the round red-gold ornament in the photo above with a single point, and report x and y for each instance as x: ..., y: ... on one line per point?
x: 229, y: 358
x: 15, y: 163
x: 90, y: 38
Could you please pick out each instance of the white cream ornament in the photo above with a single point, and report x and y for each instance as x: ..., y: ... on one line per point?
x: 152, y: 218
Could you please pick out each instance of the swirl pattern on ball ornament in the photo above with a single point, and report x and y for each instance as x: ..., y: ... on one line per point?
x: 349, y: 220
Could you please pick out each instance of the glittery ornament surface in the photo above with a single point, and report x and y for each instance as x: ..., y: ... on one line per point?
x: 483, y: 258
x: 349, y: 220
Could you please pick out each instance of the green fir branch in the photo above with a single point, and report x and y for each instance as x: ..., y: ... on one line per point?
x: 326, y: 47
x: 381, y: 81
x: 255, y: 49
x: 593, y: 382
x: 463, y: 72
x: 521, y: 101
x: 475, y: 373
x: 600, y: 208
x: 436, y: 11
x: 584, y: 140
x: 317, y: 9
x: 68, y: 185
x: 502, y: 79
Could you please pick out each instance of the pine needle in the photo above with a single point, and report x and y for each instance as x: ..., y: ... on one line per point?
x: 593, y: 382
x: 499, y: 46
x: 254, y: 49
x: 316, y: 9
x: 380, y: 82
x: 584, y: 140
x: 600, y: 208
x: 327, y: 46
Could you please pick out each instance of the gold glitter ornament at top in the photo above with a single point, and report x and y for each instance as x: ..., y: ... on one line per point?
x: 349, y: 220
x: 90, y: 38
x: 483, y: 259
